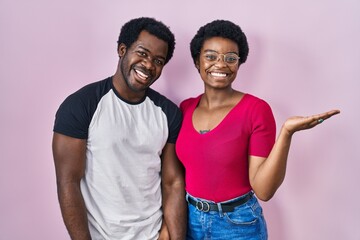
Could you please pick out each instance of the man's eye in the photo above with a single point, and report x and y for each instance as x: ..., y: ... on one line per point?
x: 141, y: 53
x: 159, y: 62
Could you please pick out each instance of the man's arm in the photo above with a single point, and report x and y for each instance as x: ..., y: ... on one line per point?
x: 69, y: 157
x: 173, y: 190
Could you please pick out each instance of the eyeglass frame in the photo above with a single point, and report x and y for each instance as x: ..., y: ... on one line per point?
x: 219, y: 57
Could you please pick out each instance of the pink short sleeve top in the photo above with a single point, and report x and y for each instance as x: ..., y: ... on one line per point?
x: 216, y: 163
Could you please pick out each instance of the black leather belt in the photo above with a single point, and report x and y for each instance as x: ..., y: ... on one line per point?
x: 206, y: 206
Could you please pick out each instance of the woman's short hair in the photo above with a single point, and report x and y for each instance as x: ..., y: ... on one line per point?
x: 220, y: 28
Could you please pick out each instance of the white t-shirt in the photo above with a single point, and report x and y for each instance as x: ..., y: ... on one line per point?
x: 122, y: 183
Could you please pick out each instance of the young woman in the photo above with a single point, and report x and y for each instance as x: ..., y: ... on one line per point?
x: 227, y: 142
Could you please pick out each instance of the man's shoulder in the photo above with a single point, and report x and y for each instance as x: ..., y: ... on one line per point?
x: 159, y: 99
x: 74, y: 114
x: 94, y: 88
x: 92, y: 92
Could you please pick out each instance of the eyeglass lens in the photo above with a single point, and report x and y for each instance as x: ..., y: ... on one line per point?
x: 229, y: 58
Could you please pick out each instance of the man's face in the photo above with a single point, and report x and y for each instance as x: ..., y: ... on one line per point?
x: 142, y: 62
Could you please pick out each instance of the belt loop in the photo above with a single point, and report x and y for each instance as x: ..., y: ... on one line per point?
x: 187, y: 197
x: 220, y: 209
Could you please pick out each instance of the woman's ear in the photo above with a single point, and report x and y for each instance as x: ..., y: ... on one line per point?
x: 197, y: 65
x: 121, y: 50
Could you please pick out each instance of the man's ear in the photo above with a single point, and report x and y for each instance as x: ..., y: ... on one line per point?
x: 121, y: 50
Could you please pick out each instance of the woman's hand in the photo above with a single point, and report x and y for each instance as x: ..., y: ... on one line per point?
x: 297, y: 123
x: 164, y: 232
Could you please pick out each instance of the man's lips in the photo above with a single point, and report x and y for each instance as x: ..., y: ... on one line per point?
x: 142, y: 75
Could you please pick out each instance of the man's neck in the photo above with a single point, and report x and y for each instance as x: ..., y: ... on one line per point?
x: 124, y: 91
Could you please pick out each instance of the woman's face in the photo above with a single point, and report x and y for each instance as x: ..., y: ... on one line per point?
x: 218, y: 62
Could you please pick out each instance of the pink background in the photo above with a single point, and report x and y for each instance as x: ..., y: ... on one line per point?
x: 304, y: 59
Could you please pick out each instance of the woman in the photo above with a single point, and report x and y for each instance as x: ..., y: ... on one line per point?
x: 227, y: 142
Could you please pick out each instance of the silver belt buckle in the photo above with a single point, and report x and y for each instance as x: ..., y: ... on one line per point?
x: 203, y: 206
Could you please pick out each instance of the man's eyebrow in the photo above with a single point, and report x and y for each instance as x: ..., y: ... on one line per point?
x: 147, y: 50
x: 143, y: 48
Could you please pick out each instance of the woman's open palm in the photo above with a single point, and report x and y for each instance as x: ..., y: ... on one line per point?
x: 298, y: 123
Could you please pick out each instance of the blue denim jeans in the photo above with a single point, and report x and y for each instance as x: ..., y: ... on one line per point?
x: 245, y: 222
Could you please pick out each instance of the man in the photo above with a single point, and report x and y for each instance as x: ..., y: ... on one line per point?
x: 117, y: 173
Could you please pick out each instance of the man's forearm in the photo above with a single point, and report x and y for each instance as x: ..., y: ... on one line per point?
x: 73, y: 211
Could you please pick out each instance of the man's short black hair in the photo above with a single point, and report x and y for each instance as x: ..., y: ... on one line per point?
x: 131, y: 30
x: 224, y: 29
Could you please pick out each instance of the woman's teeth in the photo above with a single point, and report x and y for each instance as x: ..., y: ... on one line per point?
x: 215, y: 74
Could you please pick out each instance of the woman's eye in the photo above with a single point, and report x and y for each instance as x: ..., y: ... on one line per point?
x: 231, y: 59
x: 210, y: 57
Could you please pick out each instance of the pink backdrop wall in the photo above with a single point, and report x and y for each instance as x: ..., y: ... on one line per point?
x: 304, y: 59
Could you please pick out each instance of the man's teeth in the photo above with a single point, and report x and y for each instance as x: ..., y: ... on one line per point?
x: 141, y: 74
x: 215, y: 74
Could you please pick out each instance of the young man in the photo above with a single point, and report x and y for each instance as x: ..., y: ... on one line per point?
x: 117, y: 173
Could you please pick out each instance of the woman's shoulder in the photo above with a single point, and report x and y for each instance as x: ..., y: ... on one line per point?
x: 254, y: 100
x: 185, y: 104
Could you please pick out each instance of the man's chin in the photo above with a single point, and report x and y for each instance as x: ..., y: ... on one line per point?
x: 139, y: 88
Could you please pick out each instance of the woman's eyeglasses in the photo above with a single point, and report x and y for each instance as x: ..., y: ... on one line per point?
x: 228, y: 58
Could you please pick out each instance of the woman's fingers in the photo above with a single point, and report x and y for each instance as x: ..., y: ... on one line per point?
x: 319, y: 118
x: 295, y: 124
